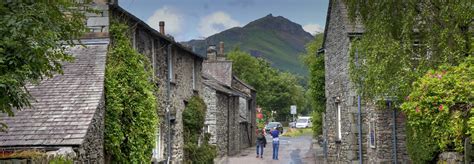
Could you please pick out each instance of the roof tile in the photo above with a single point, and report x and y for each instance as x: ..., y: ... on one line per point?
x: 64, y: 104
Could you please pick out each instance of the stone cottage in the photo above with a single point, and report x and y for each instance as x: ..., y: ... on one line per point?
x: 230, y: 117
x: 383, y: 130
x: 178, y: 70
x: 69, y: 112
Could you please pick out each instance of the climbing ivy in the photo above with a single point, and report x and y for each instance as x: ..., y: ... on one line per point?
x: 405, y: 39
x: 438, y: 110
x: 193, y: 122
x: 131, y: 119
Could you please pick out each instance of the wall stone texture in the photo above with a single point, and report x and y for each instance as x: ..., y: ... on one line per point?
x: 92, y: 149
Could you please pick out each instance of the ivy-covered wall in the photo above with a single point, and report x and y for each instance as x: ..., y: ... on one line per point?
x: 131, y: 119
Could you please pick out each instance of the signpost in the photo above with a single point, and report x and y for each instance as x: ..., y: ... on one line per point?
x: 293, y: 112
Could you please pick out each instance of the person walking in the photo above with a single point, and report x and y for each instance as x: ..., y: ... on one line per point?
x: 276, y: 142
x: 261, y: 142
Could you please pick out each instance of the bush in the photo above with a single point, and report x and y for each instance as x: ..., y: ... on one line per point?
x: 131, y: 120
x: 438, y: 110
x: 194, y: 116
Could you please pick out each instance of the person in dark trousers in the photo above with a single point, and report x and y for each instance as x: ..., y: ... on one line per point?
x: 261, y: 142
x: 276, y: 142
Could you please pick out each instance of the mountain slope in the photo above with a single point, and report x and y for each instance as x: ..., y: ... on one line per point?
x: 276, y: 39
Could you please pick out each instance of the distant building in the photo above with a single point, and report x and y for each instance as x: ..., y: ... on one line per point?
x: 341, y: 122
x: 231, y: 112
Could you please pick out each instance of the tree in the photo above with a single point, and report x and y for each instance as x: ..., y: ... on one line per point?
x: 276, y: 90
x: 33, y: 39
x: 404, y: 39
x: 316, y: 90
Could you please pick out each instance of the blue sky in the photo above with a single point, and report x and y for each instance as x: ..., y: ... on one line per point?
x: 195, y: 19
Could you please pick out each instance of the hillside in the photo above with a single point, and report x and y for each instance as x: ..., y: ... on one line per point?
x: 276, y: 39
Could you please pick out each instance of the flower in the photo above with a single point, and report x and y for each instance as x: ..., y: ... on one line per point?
x: 441, y: 107
x: 417, y: 109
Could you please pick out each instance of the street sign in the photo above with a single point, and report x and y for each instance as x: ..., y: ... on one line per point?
x: 293, y: 109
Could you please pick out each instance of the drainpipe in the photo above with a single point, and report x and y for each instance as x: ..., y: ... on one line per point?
x: 359, y: 115
x: 168, y: 115
x: 394, y: 133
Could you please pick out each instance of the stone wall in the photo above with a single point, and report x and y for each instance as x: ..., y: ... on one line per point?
x: 210, y: 98
x: 338, y: 85
x: 223, y: 112
x: 92, y: 149
x: 450, y: 158
x: 384, y: 147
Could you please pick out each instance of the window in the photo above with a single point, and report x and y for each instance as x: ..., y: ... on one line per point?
x: 372, y: 134
x: 157, y: 151
x: 194, y: 75
x: 339, y: 133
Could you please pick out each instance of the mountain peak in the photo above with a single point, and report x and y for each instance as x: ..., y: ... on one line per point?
x: 274, y: 38
x: 276, y: 23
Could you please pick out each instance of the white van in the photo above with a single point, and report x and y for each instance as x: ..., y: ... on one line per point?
x: 304, y: 122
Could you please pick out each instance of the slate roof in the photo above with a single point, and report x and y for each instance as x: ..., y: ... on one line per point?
x: 215, y: 84
x: 65, y: 104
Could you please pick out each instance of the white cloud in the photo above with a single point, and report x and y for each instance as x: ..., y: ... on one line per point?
x: 173, y: 20
x: 216, y: 22
x: 313, y: 28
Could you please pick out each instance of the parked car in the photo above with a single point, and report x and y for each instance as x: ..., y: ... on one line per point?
x: 272, y: 125
x: 304, y: 122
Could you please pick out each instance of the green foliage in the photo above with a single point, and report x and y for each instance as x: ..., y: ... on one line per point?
x: 61, y: 160
x: 439, y: 108
x: 30, y: 33
x: 131, y: 119
x: 276, y: 90
x: 194, y: 116
x: 420, y: 145
x: 316, y: 90
x: 404, y: 39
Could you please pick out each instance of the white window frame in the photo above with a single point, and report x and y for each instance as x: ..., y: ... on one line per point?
x: 339, y: 131
x: 157, y: 151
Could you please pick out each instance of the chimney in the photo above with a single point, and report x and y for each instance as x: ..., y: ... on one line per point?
x: 162, y: 27
x: 221, y: 48
x: 211, y: 53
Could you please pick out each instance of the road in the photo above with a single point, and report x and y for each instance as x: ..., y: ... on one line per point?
x: 297, y: 150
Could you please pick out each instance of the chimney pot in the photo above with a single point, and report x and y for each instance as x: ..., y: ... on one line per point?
x: 162, y: 27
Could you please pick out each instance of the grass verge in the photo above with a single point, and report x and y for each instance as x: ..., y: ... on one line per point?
x: 291, y: 132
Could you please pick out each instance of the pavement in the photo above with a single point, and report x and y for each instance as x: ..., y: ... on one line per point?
x: 293, y: 150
